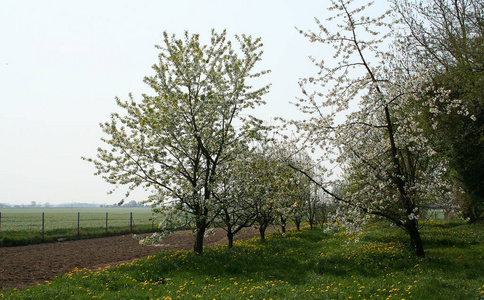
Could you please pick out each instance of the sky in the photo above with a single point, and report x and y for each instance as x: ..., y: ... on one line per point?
x: 62, y: 63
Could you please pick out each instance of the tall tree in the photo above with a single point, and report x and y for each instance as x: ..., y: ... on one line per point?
x: 174, y: 142
x: 447, y: 37
x: 364, y: 119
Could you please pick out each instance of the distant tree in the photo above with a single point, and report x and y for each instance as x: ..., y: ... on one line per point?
x: 260, y: 190
x: 264, y: 177
x: 132, y: 203
x: 287, y: 195
x: 307, y: 193
x: 236, y: 212
x: 296, y: 192
x: 272, y: 189
x: 173, y: 143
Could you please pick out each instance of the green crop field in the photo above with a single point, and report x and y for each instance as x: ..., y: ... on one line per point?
x: 31, y: 225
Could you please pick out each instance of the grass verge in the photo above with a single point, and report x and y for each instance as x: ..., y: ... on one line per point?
x: 310, y: 264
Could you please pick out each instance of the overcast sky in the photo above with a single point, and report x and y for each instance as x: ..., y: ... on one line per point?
x: 63, y: 62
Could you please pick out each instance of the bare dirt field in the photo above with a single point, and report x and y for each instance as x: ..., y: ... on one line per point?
x: 34, y: 264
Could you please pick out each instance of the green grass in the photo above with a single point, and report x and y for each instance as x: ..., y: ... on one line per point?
x: 310, y: 264
x: 21, y: 226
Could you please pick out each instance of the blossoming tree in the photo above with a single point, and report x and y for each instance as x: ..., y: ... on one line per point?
x: 366, y: 124
x: 236, y: 213
x: 447, y: 37
x: 173, y: 143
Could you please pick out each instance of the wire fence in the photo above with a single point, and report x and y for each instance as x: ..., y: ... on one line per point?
x: 32, y: 225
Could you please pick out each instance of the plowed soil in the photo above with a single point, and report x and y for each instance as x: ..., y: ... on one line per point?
x: 34, y: 264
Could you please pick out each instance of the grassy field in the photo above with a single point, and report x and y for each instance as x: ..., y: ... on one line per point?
x: 310, y: 264
x: 20, y: 226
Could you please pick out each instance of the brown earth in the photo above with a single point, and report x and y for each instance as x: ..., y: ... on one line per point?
x: 34, y: 264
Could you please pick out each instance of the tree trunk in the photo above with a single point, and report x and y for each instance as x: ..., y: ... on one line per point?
x: 230, y: 237
x: 283, y: 224
x: 415, y: 239
x: 262, y: 233
x: 411, y: 225
x: 298, y: 225
x: 201, y: 226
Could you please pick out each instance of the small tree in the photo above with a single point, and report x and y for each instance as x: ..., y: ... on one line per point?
x: 265, y: 181
x: 286, y: 195
x: 260, y: 185
x: 174, y: 142
x: 299, y: 196
x: 235, y: 212
x: 307, y: 192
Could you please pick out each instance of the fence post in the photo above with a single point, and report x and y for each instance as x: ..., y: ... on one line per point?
x: 131, y: 222
x: 78, y: 224
x: 43, y: 227
x: 106, y: 223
